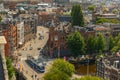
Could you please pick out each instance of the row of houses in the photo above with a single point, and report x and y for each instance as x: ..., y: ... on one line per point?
x: 19, y: 25
x: 18, y: 31
x: 108, y: 68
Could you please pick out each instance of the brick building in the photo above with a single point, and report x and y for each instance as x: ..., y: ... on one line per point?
x: 9, y: 30
x: 12, y: 37
x: 57, y: 41
x: 45, y: 18
x: 57, y: 38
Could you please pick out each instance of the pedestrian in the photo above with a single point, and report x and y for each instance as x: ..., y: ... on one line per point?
x: 35, y: 76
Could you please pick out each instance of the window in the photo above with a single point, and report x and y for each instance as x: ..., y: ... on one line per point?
x: 56, y: 37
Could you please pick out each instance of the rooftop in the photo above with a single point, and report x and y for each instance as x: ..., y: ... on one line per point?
x: 2, y: 40
x: 111, y: 61
x: 100, y: 28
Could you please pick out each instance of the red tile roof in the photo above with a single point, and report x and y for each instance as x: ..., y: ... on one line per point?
x: 43, y: 13
x: 100, y: 28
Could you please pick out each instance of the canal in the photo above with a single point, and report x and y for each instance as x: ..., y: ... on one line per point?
x: 85, y: 67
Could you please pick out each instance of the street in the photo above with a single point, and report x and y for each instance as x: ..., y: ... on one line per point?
x: 31, y: 48
x: 34, y: 44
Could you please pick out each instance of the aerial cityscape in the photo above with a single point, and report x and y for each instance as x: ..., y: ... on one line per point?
x: 59, y: 39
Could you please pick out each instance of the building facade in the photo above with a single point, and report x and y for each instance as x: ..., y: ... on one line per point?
x: 3, y: 68
x: 108, y: 68
x: 30, y: 26
x: 5, y: 34
x: 20, y: 34
x: 57, y: 41
x: 12, y: 37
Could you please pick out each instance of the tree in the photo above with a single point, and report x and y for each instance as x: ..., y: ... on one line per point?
x: 100, y: 43
x: 104, y: 9
x: 75, y: 43
x: 63, y: 66
x: 77, y: 16
x: 115, y: 11
x: 114, y: 49
x: 55, y: 74
x: 111, y: 43
x: 116, y: 45
x: 91, y: 7
x: 90, y: 45
x: 11, y: 71
x: 104, y: 20
x: 60, y: 70
x: 90, y: 78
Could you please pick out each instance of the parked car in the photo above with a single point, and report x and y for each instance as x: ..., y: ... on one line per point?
x: 19, y: 54
x: 39, y: 48
x: 30, y: 48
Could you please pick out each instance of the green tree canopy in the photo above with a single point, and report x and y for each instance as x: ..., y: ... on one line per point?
x: 100, y: 43
x: 63, y: 66
x: 104, y: 20
x: 55, y: 74
x: 10, y: 68
x: 90, y: 78
x: 60, y: 70
x: 75, y: 43
x: 77, y: 16
x: 90, y: 45
x: 111, y: 42
x: 91, y: 7
x: 116, y: 45
x: 115, y: 11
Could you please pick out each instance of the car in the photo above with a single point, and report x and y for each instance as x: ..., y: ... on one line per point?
x: 30, y: 48
x: 40, y: 38
x: 19, y: 54
x: 39, y: 48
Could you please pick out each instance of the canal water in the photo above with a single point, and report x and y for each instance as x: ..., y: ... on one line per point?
x: 85, y: 69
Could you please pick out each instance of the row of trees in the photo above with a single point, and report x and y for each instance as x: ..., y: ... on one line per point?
x: 11, y: 71
x: 63, y: 70
x: 104, y: 20
x: 79, y: 46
